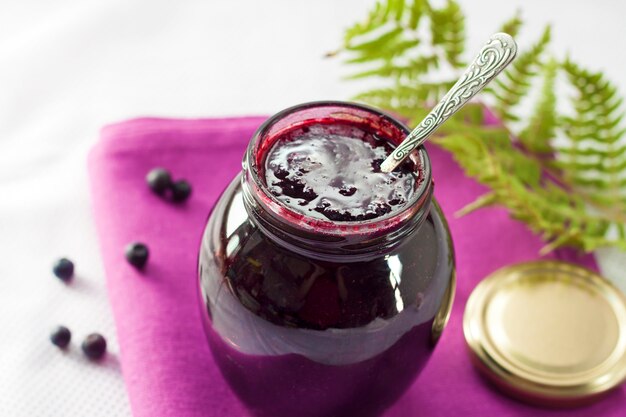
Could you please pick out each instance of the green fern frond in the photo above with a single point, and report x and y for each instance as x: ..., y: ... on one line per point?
x: 596, y: 164
x: 387, y: 40
x: 596, y: 124
x: 384, y: 11
x: 543, y: 122
x: 448, y: 31
x: 560, y: 217
x: 570, y: 191
x: 510, y: 89
x: 405, y: 98
x: 416, y: 11
x: 375, y: 18
x: 406, y: 72
x: 513, y: 25
x: 593, y: 152
x: 602, y: 184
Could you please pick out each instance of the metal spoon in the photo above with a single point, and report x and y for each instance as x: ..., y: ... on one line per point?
x: 495, y: 56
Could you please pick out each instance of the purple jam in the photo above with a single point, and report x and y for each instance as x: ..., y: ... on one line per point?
x: 335, y: 175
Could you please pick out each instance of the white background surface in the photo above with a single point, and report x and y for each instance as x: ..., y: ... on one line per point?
x: 69, y: 66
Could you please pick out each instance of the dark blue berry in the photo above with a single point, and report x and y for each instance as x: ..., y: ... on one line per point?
x: 61, y: 336
x: 137, y: 254
x: 181, y: 190
x: 63, y: 269
x: 159, y: 180
x: 94, y: 346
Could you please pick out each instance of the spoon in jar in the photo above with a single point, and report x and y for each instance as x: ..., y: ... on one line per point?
x: 495, y: 56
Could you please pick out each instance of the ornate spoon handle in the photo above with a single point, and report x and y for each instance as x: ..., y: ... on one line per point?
x: 496, y: 55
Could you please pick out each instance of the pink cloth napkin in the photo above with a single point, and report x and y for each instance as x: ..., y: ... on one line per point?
x: 166, y: 362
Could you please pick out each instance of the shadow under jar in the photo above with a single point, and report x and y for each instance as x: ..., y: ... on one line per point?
x: 310, y: 312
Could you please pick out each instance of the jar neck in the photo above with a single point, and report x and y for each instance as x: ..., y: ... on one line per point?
x: 326, y: 239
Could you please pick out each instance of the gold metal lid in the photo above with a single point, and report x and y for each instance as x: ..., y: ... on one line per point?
x: 548, y: 332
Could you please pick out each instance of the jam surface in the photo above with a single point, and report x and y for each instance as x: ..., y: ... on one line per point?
x: 333, y: 173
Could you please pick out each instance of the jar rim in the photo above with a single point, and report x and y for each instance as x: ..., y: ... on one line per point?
x: 252, y: 169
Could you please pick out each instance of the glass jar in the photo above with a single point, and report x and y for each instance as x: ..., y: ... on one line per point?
x: 312, y: 317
